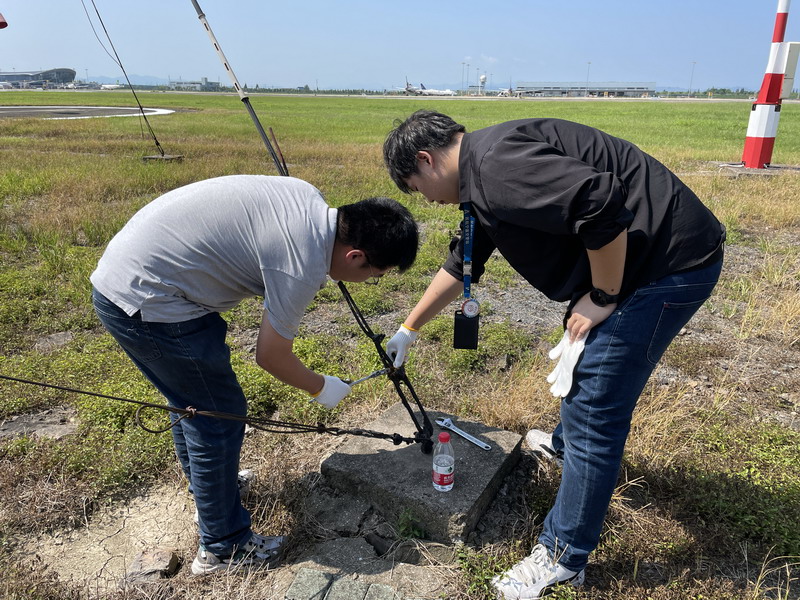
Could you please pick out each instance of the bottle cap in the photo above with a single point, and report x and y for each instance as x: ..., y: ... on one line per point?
x: 444, y: 437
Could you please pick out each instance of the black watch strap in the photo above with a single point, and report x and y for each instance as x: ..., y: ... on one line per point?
x: 601, y: 298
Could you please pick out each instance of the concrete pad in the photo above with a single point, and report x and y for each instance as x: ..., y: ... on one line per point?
x: 397, y: 479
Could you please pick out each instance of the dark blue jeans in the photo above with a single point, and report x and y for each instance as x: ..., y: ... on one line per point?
x: 189, y: 363
x: 619, y: 356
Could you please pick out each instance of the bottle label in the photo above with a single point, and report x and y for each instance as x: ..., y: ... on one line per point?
x: 443, y: 476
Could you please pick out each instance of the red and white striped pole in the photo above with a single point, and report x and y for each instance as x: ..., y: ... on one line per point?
x: 766, y: 111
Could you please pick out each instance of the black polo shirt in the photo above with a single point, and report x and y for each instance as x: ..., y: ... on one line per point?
x: 543, y: 191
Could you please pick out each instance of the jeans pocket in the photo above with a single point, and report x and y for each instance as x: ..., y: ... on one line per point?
x: 134, y: 337
x: 140, y: 343
x: 673, y: 317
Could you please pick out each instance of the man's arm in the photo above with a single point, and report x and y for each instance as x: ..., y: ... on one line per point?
x: 274, y: 354
x: 442, y: 290
x: 608, y: 267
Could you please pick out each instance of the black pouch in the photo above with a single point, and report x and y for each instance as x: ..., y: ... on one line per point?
x: 465, y: 331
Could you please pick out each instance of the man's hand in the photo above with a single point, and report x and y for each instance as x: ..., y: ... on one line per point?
x: 398, y: 346
x: 332, y: 392
x: 585, y: 315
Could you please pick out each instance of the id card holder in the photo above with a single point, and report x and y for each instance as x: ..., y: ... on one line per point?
x: 465, y: 331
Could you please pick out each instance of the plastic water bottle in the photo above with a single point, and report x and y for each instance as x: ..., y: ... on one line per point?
x: 443, y: 464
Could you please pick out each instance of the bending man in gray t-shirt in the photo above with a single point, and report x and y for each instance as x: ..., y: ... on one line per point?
x: 200, y: 250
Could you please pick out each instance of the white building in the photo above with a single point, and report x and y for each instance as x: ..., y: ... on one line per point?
x: 575, y: 89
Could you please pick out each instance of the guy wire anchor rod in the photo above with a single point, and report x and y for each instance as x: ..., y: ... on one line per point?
x: 279, y: 164
x: 397, y: 376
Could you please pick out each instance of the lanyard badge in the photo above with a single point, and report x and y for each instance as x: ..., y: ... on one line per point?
x: 465, y: 329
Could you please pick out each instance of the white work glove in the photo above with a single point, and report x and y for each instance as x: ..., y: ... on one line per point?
x: 568, y: 354
x: 398, y: 346
x: 332, y: 392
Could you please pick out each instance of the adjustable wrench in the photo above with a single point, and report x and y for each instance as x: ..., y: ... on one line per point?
x: 448, y: 424
x: 370, y: 376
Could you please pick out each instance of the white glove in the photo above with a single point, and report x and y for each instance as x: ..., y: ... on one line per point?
x: 398, y: 346
x: 332, y: 392
x: 569, y: 353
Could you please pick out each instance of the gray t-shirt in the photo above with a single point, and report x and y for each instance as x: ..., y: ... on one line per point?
x: 207, y: 246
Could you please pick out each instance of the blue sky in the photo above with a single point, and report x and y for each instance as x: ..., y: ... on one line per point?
x: 377, y: 44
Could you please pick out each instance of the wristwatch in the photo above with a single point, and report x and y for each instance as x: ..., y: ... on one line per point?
x: 601, y: 298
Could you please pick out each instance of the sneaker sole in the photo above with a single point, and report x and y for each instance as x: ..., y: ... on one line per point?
x: 575, y: 581
x: 199, y: 569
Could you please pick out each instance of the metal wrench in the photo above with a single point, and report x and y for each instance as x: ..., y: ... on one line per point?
x: 370, y: 376
x: 448, y: 424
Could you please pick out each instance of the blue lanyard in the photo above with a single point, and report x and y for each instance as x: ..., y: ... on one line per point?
x: 469, y: 227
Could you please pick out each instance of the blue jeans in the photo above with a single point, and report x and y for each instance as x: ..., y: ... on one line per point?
x: 189, y: 363
x: 619, y: 356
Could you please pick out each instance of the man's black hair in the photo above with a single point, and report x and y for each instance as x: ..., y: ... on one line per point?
x: 383, y: 228
x: 424, y: 130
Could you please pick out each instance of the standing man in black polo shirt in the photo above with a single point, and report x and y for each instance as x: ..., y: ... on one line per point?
x: 586, y: 218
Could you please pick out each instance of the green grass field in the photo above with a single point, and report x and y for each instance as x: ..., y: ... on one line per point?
x: 709, y: 503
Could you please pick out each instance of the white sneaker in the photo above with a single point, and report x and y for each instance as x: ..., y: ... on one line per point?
x: 258, y: 552
x: 542, y: 443
x: 243, y: 480
x: 535, y: 576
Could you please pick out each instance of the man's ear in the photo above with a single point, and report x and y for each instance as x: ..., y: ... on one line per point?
x: 425, y: 158
x: 354, y: 254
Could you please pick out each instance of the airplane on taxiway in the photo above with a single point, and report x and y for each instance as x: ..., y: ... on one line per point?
x: 423, y: 91
x: 412, y: 90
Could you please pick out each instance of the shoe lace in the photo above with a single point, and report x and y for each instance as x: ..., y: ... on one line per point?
x: 534, y: 567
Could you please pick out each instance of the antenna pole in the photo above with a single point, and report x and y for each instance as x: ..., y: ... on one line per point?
x: 242, y: 94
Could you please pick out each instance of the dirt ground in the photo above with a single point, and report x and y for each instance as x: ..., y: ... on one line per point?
x: 100, y: 552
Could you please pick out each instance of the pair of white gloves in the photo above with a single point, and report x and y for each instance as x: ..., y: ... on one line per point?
x: 566, y: 352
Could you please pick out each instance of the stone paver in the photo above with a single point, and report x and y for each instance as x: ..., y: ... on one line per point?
x: 378, y: 591
x: 309, y: 584
x: 346, y: 588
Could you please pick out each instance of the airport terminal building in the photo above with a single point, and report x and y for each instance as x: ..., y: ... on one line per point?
x: 576, y: 89
x: 37, y: 79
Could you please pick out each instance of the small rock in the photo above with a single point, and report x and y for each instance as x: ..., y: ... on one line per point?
x: 151, y: 566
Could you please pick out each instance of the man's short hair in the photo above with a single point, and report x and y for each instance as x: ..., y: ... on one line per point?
x: 424, y: 130
x: 383, y: 228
